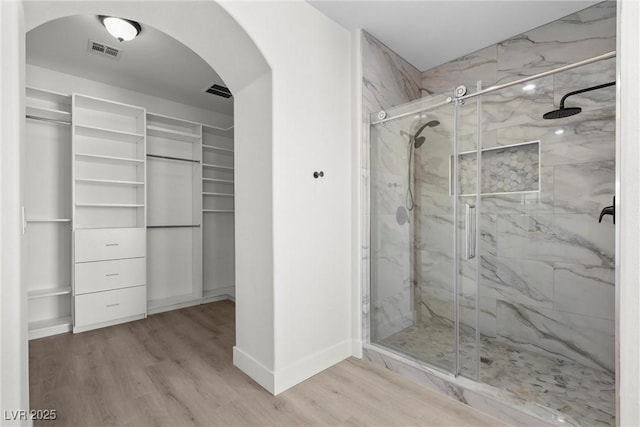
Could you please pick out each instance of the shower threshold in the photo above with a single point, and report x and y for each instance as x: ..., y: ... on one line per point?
x: 575, y: 392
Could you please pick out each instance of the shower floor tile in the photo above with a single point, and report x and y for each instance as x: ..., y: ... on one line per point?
x: 584, y: 394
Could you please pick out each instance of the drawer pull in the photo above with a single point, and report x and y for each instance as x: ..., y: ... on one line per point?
x: 113, y: 305
x: 112, y: 244
x: 112, y: 274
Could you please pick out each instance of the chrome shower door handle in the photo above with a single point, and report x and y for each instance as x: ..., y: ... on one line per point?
x: 470, y: 231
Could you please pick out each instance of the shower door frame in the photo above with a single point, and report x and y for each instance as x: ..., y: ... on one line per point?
x: 382, y: 118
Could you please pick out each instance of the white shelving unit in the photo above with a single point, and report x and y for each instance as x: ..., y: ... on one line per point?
x: 109, y: 212
x: 47, y: 201
x: 174, y: 216
x: 218, y: 209
x: 121, y: 208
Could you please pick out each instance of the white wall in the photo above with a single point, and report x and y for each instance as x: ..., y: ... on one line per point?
x: 14, y: 383
x: 310, y: 59
x: 627, y: 208
x: 44, y: 78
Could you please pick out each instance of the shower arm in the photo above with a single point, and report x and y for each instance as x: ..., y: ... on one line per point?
x: 575, y: 92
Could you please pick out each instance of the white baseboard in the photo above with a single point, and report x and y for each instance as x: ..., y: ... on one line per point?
x: 257, y: 371
x: 285, y: 378
x: 356, y: 348
x: 307, y: 367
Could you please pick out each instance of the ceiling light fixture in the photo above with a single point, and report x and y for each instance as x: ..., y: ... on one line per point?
x: 529, y: 87
x: 559, y: 132
x: 120, y: 28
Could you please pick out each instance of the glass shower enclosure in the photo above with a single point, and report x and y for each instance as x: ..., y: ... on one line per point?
x: 487, y: 259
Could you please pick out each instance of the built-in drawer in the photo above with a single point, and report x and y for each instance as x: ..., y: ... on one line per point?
x: 109, y: 243
x: 107, y: 275
x: 108, y: 306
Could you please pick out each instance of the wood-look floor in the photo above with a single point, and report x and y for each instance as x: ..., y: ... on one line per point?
x: 175, y: 369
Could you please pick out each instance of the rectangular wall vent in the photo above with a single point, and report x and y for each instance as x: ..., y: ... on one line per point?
x: 220, y: 91
x: 104, y: 50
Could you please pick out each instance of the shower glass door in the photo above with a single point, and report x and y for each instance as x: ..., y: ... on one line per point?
x: 424, y: 233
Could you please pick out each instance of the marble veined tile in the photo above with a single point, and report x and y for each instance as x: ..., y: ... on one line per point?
x: 488, y: 234
x: 585, y: 137
x: 518, y: 280
x: 579, y: 36
x: 388, y: 79
x: 585, y: 77
x: 566, y: 238
x: 435, y: 233
x: 585, y: 290
x: 584, y: 187
x: 391, y: 301
x: 466, y: 70
x: 389, y: 238
x: 586, y: 340
x: 389, y: 151
x: 434, y: 270
x: 389, y: 193
x: 514, y: 106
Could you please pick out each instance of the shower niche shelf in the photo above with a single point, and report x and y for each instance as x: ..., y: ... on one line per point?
x: 507, y: 169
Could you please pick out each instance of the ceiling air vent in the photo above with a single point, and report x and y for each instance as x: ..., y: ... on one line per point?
x: 104, y: 50
x: 220, y: 91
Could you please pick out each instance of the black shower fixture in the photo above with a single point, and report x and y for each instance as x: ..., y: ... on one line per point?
x: 419, y: 140
x: 570, y: 111
x: 415, y: 142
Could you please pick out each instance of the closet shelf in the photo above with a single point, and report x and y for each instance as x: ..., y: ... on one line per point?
x: 206, y: 193
x: 109, y: 181
x: 119, y: 135
x: 215, y: 148
x: 217, y: 167
x: 109, y: 205
x: 49, y: 220
x: 43, y: 328
x: 51, y: 292
x: 93, y: 104
x: 222, y: 181
x: 172, y: 134
x: 109, y: 158
x: 48, y: 113
x: 217, y: 211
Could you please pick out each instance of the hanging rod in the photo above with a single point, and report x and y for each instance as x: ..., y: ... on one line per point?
x: 588, y: 61
x: 156, y: 156
x: 602, y: 57
x: 174, y: 226
x: 48, y: 120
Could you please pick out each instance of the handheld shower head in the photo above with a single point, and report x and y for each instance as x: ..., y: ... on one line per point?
x: 419, y: 140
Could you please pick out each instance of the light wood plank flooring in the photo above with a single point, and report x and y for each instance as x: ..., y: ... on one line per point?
x: 175, y: 369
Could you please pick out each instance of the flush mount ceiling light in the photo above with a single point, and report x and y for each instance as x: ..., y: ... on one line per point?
x: 529, y: 87
x: 120, y: 28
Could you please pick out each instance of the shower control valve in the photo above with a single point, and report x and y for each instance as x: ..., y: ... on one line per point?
x: 317, y: 174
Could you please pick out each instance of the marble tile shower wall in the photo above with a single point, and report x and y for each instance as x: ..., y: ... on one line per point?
x: 388, y: 80
x: 547, y: 265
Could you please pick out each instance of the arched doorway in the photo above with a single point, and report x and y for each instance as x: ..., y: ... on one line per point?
x: 208, y: 30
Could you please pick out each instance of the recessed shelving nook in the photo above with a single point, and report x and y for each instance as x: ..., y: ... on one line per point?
x: 109, y: 212
x: 218, y: 212
x: 47, y: 212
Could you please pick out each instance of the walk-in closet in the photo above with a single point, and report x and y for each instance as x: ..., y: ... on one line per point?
x: 128, y: 177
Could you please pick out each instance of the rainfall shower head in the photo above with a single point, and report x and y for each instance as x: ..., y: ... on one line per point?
x: 419, y: 140
x: 563, y: 112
